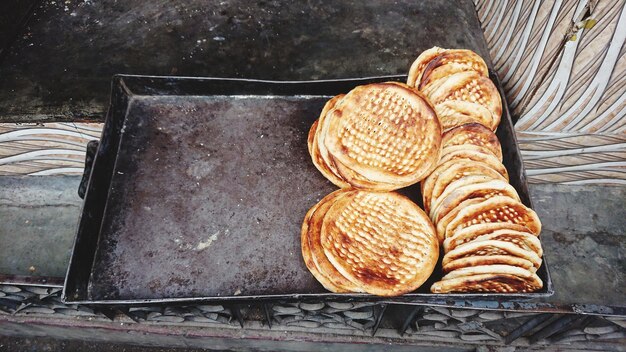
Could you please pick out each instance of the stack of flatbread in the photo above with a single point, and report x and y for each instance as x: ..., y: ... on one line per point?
x: 490, y: 239
x: 364, y: 238
x: 363, y: 241
x: 381, y: 136
x: 438, y: 129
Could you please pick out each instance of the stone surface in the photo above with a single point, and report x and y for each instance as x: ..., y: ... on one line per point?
x: 584, y: 241
x: 39, y: 218
x: 12, y: 17
x: 61, y: 65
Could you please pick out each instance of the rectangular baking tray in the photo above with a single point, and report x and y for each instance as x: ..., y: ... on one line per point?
x: 199, y: 187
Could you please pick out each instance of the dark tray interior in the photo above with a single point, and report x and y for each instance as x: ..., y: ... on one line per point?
x: 199, y: 188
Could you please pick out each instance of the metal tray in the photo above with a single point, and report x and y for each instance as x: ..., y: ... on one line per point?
x: 199, y: 187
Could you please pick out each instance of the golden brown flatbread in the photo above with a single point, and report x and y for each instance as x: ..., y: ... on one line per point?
x: 473, y: 134
x: 442, y: 224
x: 495, y: 283
x: 322, y: 263
x: 418, y: 66
x: 495, y: 209
x: 434, y: 185
x: 385, y: 132
x: 488, y: 269
x: 524, y: 240
x: 478, y: 260
x: 463, y: 181
x: 319, y: 153
x: 467, y: 86
x: 381, y: 241
x: 467, y: 234
x: 491, y: 248
x: 334, y: 285
x: 319, y: 162
x: 450, y: 62
x: 453, y: 113
x: 468, y: 148
x: 470, y: 152
x: 478, y: 190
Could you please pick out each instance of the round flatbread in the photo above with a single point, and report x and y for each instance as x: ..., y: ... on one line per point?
x: 468, y: 148
x: 470, y: 152
x: 473, y: 134
x: 524, y: 240
x: 463, y: 181
x: 383, y: 242
x: 491, y: 248
x: 467, y: 86
x: 495, y: 209
x: 434, y: 185
x: 474, y: 261
x: 450, y: 62
x: 453, y: 113
x: 494, y: 283
x: 319, y: 162
x: 385, y: 132
x: 488, y: 269
x: 418, y: 66
x: 467, y: 234
x: 482, y: 190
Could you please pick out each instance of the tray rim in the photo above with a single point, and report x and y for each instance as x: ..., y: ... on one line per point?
x: 122, y: 95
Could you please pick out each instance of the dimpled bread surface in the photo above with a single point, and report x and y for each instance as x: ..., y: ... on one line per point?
x: 495, y: 209
x: 468, y: 234
x: 467, y: 86
x: 450, y: 62
x: 381, y: 241
x: 477, y: 190
x: 488, y: 260
x: 494, y: 283
x: 307, y: 253
x: 454, y: 113
x: 418, y: 66
x: 491, y: 248
x: 473, y: 134
x: 332, y: 279
x: 385, y: 132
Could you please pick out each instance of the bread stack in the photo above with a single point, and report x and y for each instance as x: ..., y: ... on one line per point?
x: 381, y: 136
x: 490, y: 239
x: 363, y: 241
x: 364, y: 238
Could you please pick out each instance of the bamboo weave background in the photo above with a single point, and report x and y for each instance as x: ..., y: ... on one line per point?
x: 563, y: 64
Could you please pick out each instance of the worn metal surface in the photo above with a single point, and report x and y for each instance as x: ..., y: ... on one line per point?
x: 61, y: 65
x: 206, y: 183
x: 207, y: 198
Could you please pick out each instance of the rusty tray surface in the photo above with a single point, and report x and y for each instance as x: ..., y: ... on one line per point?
x: 199, y: 188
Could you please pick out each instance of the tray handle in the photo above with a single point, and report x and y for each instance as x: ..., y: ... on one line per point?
x: 92, y: 148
